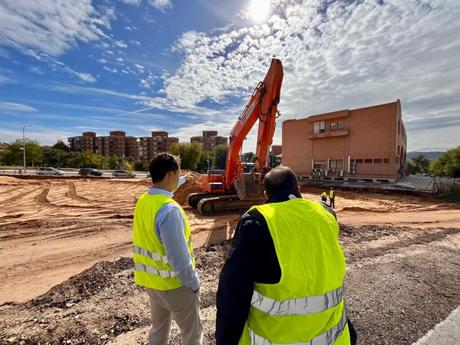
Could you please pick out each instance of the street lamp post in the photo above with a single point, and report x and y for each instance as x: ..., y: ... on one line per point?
x: 24, y: 148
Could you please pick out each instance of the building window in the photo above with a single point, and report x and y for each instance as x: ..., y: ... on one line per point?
x: 319, y: 127
x: 336, y: 164
x: 336, y: 126
x: 359, y: 161
x: 386, y: 160
x: 368, y: 161
x: 377, y: 160
x: 319, y: 165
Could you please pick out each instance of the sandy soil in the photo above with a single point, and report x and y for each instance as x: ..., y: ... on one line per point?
x: 403, y: 255
x: 400, y: 283
x: 54, y: 228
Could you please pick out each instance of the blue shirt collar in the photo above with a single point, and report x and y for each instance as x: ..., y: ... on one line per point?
x: 161, y: 191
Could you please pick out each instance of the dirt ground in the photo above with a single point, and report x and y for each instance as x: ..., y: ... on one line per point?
x: 403, y: 262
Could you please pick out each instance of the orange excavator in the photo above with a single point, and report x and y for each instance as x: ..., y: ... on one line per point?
x: 236, y: 188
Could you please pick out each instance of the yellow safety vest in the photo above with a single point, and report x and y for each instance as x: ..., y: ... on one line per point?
x: 331, y: 194
x: 306, y: 307
x: 151, y: 267
x: 324, y: 194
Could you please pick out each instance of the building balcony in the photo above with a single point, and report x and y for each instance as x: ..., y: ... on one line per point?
x: 329, y: 134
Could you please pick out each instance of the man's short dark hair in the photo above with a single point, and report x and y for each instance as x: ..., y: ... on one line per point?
x: 161, y: 164
x: 281, y: 181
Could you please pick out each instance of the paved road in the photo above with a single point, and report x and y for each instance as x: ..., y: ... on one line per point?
x: 446, y: 332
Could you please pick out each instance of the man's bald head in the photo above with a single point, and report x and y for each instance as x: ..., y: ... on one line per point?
x: 281, y: 181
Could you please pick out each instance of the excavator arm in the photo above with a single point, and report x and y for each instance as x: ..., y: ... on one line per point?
x: 263, y: 107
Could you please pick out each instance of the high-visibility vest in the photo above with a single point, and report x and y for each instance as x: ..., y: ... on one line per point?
x: 306, y: 307
x: 324, y: 194
x: 151, y: 267
x: 331, y: 194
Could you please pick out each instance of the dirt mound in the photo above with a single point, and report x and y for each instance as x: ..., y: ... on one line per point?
x: 192, y: 186
x: 362, y: 209
x: 97, y: 305
x: 9, y: 181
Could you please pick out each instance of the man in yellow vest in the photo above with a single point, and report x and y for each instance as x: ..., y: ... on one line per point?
x: 332, y: 198
x: 163, y: 256
x: 283, y: 280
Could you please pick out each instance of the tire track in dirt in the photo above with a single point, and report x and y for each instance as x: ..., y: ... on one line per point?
x: 427, y: 236
x: 41, y: 198
x: 72, y: 193
x: 19, y: 196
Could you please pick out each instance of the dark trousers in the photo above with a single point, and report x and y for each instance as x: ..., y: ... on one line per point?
x: 332, y: 201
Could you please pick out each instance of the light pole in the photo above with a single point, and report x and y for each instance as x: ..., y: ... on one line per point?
x: 24, y: 148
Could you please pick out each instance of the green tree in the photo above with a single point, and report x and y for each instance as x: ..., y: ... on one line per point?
x: 205, y: 161
x: 55, y: 157
x: 13, y: 154
x: 114, y: 162
x: 60, y: 145
x: 448, y: 164
x: 249, y: 157
x: 188, y: 153
x: 220, y: 156
x: 140, y: 166
x: 418, y: 165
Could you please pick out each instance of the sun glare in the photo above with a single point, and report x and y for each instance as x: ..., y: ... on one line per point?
x: 259, y: 10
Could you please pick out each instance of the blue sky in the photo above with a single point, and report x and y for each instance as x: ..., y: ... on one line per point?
x: 68, y: 66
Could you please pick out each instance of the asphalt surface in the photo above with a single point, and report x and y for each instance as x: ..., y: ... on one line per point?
x: 446, y: 332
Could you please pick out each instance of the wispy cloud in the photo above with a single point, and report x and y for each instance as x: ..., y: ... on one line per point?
x: 132, y: 2
x: 11, y: 106
x: 160, y: 4
x: 336, y: 55
x: 51, y: 27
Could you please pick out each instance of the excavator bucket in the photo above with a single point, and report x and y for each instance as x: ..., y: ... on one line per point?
x: 249, y: 187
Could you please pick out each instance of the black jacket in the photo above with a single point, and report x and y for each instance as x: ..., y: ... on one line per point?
x: 252, y: 258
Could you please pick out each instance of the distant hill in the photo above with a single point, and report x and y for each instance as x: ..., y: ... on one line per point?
x: 428, y: 155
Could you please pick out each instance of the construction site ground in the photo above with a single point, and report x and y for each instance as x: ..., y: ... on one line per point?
x: 67, y: 274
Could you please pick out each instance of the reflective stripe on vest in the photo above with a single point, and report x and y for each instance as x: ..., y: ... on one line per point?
x: 153, y: 270
x: 153, y: 256
x: 326, y: 338
x: 297, y: 306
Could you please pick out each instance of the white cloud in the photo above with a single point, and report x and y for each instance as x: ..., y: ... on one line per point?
x: 134, y: 42
x: 86, y: 77
x: 45, y: 136
x: 51, y: 27
x: 161, y: 4
x: 121, y: 44
x: 102, y: 61
x: 6, y: 80
x: 11, y: 106
x: 132, y: 2
x: 336, y: 55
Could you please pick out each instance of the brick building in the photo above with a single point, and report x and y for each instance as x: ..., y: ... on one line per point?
x: 82, y: 143
x: 131, y: 148
x: 276, y: 149
x: 102, y: 146
x: 366, y: 143
x: 117, y: 143
x: 209, y: 140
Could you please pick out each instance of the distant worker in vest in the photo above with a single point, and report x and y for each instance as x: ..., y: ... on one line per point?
x: 324, y: 197
x: 332, y: 198
x: 163, y: 256
x: 283, y: 280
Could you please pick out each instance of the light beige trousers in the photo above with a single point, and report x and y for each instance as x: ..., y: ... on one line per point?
x: 181, y: 305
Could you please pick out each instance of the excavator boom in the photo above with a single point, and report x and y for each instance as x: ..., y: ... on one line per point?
x: 234, y: 189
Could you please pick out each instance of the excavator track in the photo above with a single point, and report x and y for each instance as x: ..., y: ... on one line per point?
x: 194, y: 198
x: 225, y: 203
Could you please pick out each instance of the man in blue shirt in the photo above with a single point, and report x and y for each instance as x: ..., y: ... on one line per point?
x: 163, y: 256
